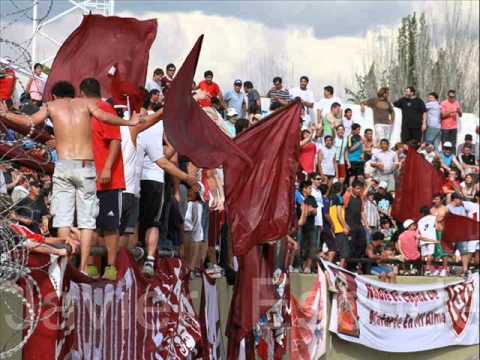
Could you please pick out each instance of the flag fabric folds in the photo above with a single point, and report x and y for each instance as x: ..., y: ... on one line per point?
x: 253, y: 295
x: 121, y: 89
x: 189, y: 129
x: 460, y: 228
x: 419, y: 181
x: 99, y: 43
x: 260, y: 202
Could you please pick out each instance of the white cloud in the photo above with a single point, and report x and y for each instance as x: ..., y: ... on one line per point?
x: 234, y: 48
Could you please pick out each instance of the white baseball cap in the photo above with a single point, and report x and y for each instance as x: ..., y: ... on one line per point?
x: 231, y: 112
x: 407, y: 223
x: 447, y: 144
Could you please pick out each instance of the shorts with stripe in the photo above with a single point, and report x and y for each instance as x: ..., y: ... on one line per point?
x: 129, y: 218
x: 110, y: 207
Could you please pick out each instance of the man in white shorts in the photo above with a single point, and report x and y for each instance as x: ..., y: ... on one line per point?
x: 428, y: 236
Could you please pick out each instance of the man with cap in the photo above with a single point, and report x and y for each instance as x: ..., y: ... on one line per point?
x: 448, y: 159
x: 408, y: 241
x: 32, y: 211
x: 236, y: 99
x: 383, y: 199
x: 229, y: 124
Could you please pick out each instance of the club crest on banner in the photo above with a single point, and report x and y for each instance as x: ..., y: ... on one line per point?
x: 460, y: 300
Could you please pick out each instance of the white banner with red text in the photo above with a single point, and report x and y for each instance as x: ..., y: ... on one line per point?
x: 403, y: 317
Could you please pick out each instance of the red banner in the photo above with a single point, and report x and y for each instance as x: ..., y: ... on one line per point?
x: 99, y: 43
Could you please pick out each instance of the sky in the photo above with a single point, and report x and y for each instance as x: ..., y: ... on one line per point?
x: 249, y: 40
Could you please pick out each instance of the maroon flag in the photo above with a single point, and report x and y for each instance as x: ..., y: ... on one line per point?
x: 189, y: 129
x: 460, y: 228
x: 99, y: 43
x: 260, y: 200
x: 253, y: 296
x: 419, y: 181
x: 25, y: 158
x: 125, y: 92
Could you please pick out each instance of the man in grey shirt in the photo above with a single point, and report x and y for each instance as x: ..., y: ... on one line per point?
x: 434, y: 111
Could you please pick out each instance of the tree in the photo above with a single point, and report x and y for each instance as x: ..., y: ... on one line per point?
x: 434, y: 53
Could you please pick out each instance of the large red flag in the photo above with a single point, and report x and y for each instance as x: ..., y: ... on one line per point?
x: 189, y: 129
x: 253, y: 296
x: 260, y: 200
x: 460, y: 228
x: 419, y: 181
x: 125, y: 92
x: 99, y: 43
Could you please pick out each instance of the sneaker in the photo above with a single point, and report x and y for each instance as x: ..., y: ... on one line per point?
x: 110, y: 273
x: 92, y: 271
x: 443, y: 273
x: 148, y: 269
x: 307, y: 271
x: 427, y: 273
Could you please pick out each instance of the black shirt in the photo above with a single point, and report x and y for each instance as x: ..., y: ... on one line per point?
x: 353, y: 212
x: 32, y: 209
x: 310, y: 220
x: 412, y: 112
x: 468, y: 159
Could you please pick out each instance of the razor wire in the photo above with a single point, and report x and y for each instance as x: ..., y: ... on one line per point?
x: 23, y: 55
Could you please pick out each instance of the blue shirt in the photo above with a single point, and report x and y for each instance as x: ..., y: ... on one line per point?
x: 447, y: 160
x: 235, y: 100
x: 357, y: 154
x: 299, y: 199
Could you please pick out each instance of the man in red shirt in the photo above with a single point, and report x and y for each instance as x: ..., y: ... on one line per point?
x: 451, y: 110
x: 168, y: 78
x: 106, y: 141
x: 7, y: 86
x: 211, y: 89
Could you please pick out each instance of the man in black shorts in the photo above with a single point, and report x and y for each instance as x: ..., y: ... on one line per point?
x: 355, y: 221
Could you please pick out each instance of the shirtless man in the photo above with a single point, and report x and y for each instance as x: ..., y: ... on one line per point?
x: 74, y: 179
x: 439, y: 210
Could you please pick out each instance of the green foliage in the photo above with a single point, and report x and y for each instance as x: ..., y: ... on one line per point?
x: 419, y: 63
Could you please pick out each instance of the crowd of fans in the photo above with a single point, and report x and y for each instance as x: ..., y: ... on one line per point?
x: 149, y: 198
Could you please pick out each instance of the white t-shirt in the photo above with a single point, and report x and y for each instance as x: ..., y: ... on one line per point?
x: 3, y: 184
x: 317, y: 194
x: 472, y: 210
x: 305, y: 95
x: 151, y: 84
x: 426, y: 227
x: 131, y: 167
x: 347, y: 124
x: 326, y: 104
x: 150, y: 149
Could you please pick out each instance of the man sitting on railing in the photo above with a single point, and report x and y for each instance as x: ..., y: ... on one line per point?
x: 378, y: 251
